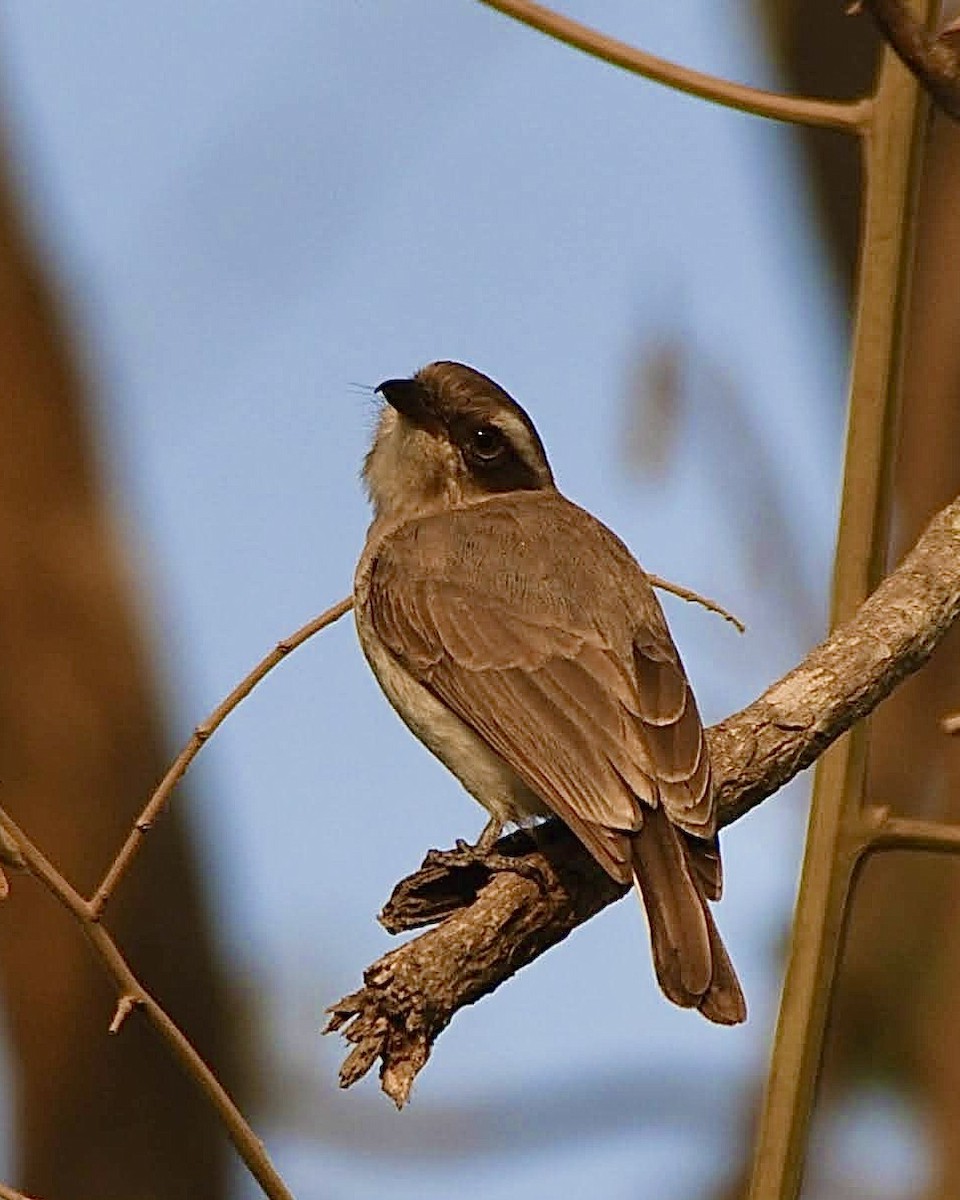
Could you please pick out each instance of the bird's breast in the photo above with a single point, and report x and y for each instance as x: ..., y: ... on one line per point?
x: 479, y: 768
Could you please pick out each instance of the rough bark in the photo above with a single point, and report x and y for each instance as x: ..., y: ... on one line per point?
x: 494, y: 925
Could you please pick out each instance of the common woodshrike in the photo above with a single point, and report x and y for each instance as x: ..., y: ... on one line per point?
x: 523, y: 644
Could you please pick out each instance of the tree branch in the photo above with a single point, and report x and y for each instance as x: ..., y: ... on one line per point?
x: 494, y: 924
x: 932, y: 58
x: 692, y: 597
x: 829, y: 114
x: 178, y: 768
x: 133, y: 994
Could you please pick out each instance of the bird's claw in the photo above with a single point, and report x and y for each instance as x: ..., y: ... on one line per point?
x: 465, y: 857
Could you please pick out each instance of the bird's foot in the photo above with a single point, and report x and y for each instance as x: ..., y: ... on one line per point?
x: 482, y: 856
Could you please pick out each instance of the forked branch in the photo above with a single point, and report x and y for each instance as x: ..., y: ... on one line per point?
x: 798, y: 110
x: 132, y: 994
x: 492, y: 925
x: 933, y: 58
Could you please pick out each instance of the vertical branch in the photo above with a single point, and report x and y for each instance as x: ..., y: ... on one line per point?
x: 892, y: 151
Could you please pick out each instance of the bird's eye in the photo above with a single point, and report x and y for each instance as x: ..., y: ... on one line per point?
x: 487, y: 443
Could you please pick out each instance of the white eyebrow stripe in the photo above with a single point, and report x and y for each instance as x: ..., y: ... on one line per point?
x: 518, y: 435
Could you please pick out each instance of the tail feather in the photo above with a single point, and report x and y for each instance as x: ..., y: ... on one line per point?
x: 704, y: 858
x: 691, y: 962
x: 723, y: 1002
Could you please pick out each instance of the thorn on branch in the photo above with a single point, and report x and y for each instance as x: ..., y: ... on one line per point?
x: 951, y: 724
x: 10, y: 852
x: 125, y: 1006
x: 10, y: 856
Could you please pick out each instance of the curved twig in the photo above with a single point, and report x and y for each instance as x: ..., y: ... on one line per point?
x: 411, y: 994
x: 155, y: 805
x: 851, y: 116
x: 675, y: 589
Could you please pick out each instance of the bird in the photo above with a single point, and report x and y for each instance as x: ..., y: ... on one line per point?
x: 522, y: 643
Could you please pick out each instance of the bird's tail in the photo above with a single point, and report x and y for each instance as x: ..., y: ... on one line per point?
x: 674, y: 875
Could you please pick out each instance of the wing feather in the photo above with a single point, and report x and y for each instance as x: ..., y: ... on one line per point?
x: 553, y: 648
x: 553, y: 778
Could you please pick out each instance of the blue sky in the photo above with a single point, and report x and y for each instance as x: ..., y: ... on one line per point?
x: 252, y: 209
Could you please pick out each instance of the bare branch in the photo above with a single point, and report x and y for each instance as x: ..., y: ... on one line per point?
x: 847, y: 115
x: 133, y: 994
x: 494, y: 925
x: 121, y: 864
x: 932, y: 59
x: 675, y: 589
x: 909, y: 833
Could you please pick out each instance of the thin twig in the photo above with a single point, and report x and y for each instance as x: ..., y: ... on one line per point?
x: 247, y: 1144
x: 125, y: 1006
x: 686, y: 594
x: 851, y: 116
x: 121, y: 864
x: 932, y: 59
x: 411, y: 994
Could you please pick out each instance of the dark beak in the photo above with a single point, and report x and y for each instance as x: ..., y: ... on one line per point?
x: 408, y: 397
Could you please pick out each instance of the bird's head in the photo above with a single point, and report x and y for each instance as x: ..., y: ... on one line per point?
x: 449, y: 437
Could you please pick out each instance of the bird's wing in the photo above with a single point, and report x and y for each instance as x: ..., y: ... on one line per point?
x: 533, y: 623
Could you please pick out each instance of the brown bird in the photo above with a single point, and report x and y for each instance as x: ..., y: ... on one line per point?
x: 522, y: 643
